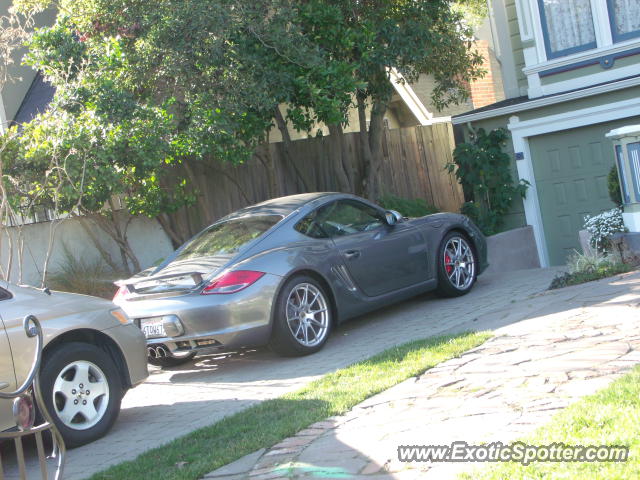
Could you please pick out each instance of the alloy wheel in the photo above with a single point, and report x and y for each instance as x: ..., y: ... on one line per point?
x: 459, y: 263
x: 307, y: 314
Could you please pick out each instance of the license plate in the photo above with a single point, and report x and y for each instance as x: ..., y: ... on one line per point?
x: 152, y: 328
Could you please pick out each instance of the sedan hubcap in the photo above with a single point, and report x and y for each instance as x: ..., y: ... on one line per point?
x: 81, y: 395
x: 307, y: 314
x: 459, y: 263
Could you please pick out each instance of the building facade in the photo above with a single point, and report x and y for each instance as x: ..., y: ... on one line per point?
x: 571, y: 73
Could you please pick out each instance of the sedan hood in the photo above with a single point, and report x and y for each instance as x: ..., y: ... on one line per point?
x: 62, y: 303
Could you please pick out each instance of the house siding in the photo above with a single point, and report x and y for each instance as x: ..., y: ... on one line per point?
x: 589, y: 70
x: 584, y: 157
x: 516, y: 43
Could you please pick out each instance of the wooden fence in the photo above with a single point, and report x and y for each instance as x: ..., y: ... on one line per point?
x: 414, y: 167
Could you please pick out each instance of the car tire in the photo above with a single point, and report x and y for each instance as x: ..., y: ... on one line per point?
x: 171, y: 361
x: 456, y: 264
x: 68, y: 373
x: 301, y: 324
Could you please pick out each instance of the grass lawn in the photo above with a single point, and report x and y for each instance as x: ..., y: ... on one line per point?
x: 609, y: 417
x: 271, y: 421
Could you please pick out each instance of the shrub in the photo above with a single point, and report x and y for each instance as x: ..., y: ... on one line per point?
x: 613, y: 184
x: 603, y: 226
x: 77, y: 275
x: 416, y: 207
x: 588, y: 267
x: 484, y: 171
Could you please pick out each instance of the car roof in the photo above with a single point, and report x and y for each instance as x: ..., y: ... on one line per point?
x: 282, y: 205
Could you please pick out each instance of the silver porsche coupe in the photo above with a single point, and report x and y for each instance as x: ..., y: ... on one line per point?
x: 284, y: 272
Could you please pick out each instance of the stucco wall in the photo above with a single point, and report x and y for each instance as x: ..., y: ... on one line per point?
x: 147, y: 239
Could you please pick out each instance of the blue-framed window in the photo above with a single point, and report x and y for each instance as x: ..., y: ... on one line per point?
x: 624, y: 17
x: 623, y: 176
x: 633, y: 150
x: 567, y: 26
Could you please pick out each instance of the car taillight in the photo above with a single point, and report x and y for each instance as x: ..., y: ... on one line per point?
x: 232, y: 282
x: 121, y: 294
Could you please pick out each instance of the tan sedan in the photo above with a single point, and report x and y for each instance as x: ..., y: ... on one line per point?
x: 93, y: 354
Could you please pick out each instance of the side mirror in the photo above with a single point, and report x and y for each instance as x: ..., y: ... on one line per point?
x: 392, y: 217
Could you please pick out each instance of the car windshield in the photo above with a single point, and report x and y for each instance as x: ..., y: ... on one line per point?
x: 227, y: 237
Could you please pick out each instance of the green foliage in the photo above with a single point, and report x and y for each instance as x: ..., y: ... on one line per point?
x: 588, y: 267
x: 416, y: 207
x: 143, y: 94
x: 484, y: 170
x: 613, y: 184
x: 87, y: 277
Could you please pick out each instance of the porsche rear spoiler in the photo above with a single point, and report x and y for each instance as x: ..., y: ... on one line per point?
x: 131, y: 283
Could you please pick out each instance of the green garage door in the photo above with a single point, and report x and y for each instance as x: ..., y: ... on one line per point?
x: 571, y: 169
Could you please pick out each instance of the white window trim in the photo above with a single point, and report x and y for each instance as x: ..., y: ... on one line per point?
x: 583, y: 56
x: 522, y: 131
x: 535, y: 55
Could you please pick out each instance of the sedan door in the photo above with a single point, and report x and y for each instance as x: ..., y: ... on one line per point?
x: 7, y: 374
x: 379, y: 257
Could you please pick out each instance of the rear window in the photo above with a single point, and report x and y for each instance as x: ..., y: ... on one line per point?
x: 227, y: 237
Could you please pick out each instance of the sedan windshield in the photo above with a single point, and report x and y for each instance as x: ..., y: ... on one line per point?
x: 227, y: 237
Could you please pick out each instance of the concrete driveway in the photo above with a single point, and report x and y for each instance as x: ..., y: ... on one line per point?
x: 174, y: 402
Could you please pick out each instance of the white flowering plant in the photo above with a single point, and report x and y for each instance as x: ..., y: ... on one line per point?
x: 603, y: 226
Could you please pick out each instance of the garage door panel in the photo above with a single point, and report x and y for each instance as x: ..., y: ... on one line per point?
x: 596, y: 153
x: 602, y: 187
x: 571, y: 169
x: 580, y: 189
x: 576, y: 157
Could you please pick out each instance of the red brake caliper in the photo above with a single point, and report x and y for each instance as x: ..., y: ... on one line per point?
x: 447, y: 263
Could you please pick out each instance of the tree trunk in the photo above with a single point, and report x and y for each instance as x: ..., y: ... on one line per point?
x: 109, y: 225
x: 340, y: 159
x: 167, y: 224
x: 106, y: 256
x: 376, y: 133
x: 286, y: 143
x: 264, y: 155
x: 371, y: 144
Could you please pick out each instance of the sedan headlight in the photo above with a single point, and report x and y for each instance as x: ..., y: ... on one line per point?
x: 122, y: 317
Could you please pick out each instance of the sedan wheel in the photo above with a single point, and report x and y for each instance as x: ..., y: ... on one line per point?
x: 80, y: 395
x: 457, y: 264
x: 82, y: 389
x: 302, y: 321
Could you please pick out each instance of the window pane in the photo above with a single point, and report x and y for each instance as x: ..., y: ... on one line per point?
x: 625, y: 19
x: 309, y: 227
x: 568, y: 26
x: 227, y: 237
x: 633, y: 150
x: 623, y: 175
x: 346, y: 218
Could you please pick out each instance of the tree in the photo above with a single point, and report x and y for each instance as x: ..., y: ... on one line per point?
x: 414, y: 37
x: 204, y: 82
x: 199, y: 67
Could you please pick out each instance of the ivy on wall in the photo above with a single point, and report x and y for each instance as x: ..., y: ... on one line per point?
x: 484, y: 170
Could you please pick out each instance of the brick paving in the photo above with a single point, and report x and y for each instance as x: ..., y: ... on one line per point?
x: 175, y: 402
x: 553, y: 349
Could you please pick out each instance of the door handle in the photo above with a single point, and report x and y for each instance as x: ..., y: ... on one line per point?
x: 3, y: 385
x: 351, y: 254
